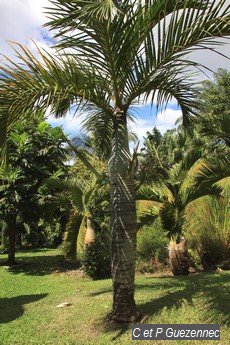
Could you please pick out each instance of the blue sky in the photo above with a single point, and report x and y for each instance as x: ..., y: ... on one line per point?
x: 145, y: 118
x: 22, y: 20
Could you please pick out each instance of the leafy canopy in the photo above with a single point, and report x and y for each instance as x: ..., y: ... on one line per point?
x: 106, y: 62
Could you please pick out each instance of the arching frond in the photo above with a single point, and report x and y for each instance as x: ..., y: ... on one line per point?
x: 170, y: 219
x: 153, y: 194
x: 55, y: 83
x: 113, y: 60
x: 100, y: 126
x: 152, y: 50
x: 148, y: 216
x: 214, y: 168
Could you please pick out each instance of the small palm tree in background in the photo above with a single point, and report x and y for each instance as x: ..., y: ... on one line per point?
x: 111, y: 54
x: 74, y: 193
x: 184, y: 182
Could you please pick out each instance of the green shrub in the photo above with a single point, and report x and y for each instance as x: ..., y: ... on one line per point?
x: 150, y: 266
x: 152, y: 243
x: 96, y: 258
x: 207, y: 228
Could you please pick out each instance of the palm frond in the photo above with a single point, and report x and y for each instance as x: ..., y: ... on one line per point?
x: 204, y: 182
x: 70, y: 235
x: 99, y: 125
x: 113, y: 61
x: 214, y: 168
x: 169, y: 219
x: 55, y: 82
x: 64, y: 190
x: 148, y: 193
x: 147, y: 216
x: 84, y: 159
x: 164, y: 53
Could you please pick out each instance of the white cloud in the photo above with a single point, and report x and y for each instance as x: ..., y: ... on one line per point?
x: 72, y: 124
x: 166, y: 119
x: 212, y: 60
x: 141, y: 126
x: 21, y: 21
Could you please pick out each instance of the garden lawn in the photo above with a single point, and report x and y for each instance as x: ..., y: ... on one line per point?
x: 30, y: 293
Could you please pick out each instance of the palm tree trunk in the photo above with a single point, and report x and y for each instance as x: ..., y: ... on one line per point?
x: 11, y: 224
x: 3, y: 238
x: 70, y: 236
x: 123, y: 226
x: 178, y: 258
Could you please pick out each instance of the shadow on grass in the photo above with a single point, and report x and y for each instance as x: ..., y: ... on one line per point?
x: 41, y: 265
x: 209, y: 289
x: 110, y: 326
x: 154, y: 286
x: 12, y: 308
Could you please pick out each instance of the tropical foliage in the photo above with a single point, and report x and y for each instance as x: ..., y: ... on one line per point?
x: 34, y: 152
x: 214, y: 103
x: 83, y: 194
x: 193, y: 175
x: 109, y: 57
x: 208, y: 231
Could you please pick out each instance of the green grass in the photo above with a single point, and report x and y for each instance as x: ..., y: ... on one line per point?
x: 30, y: 293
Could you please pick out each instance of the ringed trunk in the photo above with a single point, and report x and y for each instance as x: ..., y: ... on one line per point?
x: 90, y: 233
x: 178, y: 258
x: 11, y: 224
x: 123, y: 224
x: 70, y: 236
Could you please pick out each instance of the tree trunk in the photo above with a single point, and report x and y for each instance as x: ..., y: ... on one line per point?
x: 11, y: 224
x: 70, y: 236
x: 90, y: 233
x: 178, y: 258
x: 3, y: 238
x: 123, y: 224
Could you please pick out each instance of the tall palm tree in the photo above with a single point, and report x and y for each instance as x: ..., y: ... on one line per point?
x: 106, y: 61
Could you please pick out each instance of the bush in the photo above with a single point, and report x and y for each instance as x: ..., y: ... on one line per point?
x: 43, y: 234
x: 150, y: 266
x: 207, y: 228
x: 96, y: 259
x: 152, y: 244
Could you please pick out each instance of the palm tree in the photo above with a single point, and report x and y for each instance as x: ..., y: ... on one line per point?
x: 109, y: 55
x: 74, y: 194
x: 214, y: 117
x: 191, y: 178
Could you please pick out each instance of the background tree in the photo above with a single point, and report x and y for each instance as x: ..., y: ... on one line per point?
x: 161, y: 152
x: 214, y: 103
x: 76, y: 193
x: 34, y: 152
x: 115, y: 59
x: 192, y: 177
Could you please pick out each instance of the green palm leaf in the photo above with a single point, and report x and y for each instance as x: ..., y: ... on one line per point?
x: 111, y: 69
x: 148, y: 193
x: 170, y: 219
x: 214, y: 168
